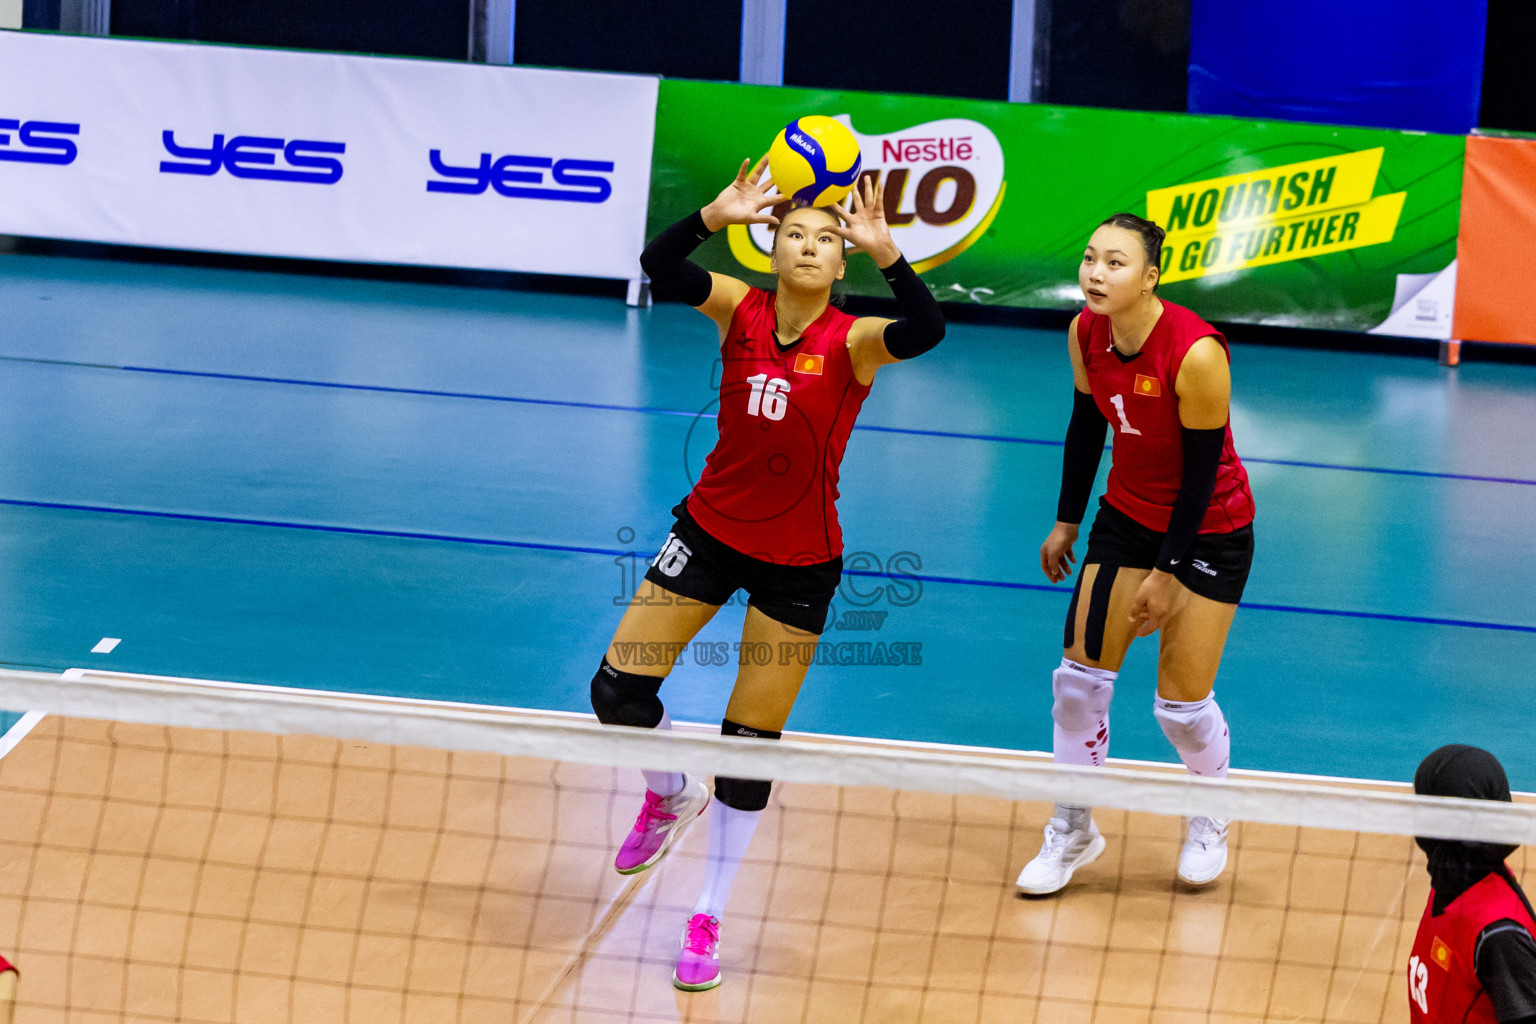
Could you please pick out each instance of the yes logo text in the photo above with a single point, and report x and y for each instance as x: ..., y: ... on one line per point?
x: 255, y: 156
x: 523, y: 177
x: 37, y: 142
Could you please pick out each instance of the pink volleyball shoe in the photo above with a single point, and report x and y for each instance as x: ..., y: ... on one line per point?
x: 698, y: 965
x: 661, y: 820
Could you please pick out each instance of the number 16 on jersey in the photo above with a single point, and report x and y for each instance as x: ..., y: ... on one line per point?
x: 769, y: 398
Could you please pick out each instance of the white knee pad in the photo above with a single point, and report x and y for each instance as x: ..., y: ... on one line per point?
x: 1190, y: 726
x: 1082, y: 695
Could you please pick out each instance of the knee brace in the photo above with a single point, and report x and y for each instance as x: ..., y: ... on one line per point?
x: 1081, y: 695
x: 626, y: 698
x: 743, y: 794
x: 1190, y: 726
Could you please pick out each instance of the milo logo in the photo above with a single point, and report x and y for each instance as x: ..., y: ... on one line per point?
x: 943, y: 187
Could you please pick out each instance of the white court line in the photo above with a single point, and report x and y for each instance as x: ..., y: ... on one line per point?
x: 106, y: 644
x: 18, y: 732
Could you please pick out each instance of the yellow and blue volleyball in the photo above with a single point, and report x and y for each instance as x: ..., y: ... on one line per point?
x: 814, y: 161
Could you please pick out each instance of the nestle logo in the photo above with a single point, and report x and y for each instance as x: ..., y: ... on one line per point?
x: 925, y: 150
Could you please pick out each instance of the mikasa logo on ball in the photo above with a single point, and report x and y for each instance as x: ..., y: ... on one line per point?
x: 943, y: 187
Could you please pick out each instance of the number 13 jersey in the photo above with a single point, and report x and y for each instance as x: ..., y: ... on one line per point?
x: 769, y: 487
x: 1136, y: 396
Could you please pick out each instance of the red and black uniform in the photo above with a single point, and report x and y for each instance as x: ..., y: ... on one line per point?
x: 763, y: 515
x: 769, y: 487
x: 1474, y: 962
x: 1136, y: 396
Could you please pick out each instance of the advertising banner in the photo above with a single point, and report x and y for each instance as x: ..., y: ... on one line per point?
x: 1497, y: 285
x: 324, y: 156
x: 1268, y: 222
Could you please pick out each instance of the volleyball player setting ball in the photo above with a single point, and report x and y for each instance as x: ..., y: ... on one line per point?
x: 762, y: 516
x: 1171, y: 544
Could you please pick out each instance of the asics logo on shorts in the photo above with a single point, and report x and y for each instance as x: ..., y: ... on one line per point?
x: 672, y: 557
x: 1203, y: 567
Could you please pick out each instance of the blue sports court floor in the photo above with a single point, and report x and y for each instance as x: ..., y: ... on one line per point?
x: 430, y: 490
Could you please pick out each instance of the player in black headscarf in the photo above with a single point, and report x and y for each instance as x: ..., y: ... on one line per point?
x: 1474, y: 959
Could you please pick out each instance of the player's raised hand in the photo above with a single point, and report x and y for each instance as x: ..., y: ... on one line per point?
x: 744, y: 200
x: 864, y: 223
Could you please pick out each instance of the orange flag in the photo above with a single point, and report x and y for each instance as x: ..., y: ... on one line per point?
x: 1149, y: 386
x: 807, y: 363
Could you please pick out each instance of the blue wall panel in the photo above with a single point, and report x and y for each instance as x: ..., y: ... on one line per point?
x: 1411, y: 64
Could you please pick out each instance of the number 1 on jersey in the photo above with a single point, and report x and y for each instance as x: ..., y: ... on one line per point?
x: 770, y: 398
x: 1118, y: 401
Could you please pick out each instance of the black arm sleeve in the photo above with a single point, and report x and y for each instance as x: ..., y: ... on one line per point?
x: 1202, y: 458
x: 665, y: 261
x: 1080, y: 460
x: 1505, y: 961
x: 922, y: 324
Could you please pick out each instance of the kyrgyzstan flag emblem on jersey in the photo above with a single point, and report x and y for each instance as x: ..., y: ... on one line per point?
x: 807, y: 363
x: 1440, y: 953
x: 1148, y: 386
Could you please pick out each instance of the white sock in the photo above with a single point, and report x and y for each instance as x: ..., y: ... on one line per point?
x: 1198, y: 731
x: 730, y: 833
x: 663, y: 783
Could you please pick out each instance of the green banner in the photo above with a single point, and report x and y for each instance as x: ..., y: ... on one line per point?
x: 1268, y: 222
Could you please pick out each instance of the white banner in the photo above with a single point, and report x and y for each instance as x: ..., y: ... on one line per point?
x: 322, y: 156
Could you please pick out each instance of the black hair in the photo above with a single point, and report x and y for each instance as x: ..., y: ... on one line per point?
x: 1151, y: 236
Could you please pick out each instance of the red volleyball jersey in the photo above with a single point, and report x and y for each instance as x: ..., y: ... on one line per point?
x: 1137, y: 398
x: 1442, y: 975
x: 769, y: 487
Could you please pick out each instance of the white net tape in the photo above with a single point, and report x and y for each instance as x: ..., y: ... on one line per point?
x: 839, y: 761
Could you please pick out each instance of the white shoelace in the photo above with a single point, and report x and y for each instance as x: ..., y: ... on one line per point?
x: 1206, y: 831
x: 1057, y: 838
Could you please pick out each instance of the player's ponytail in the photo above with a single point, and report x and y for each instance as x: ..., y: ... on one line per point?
x: 1151, y: 236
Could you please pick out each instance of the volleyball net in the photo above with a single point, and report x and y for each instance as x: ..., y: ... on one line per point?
x: 206, y: 852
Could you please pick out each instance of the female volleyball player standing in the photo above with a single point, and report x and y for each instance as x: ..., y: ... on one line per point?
x: 1171, y: 544
x: 761, y: 517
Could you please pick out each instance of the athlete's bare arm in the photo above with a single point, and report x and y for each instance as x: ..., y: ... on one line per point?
x: 1204, y: 386
x: 1075, y: 354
